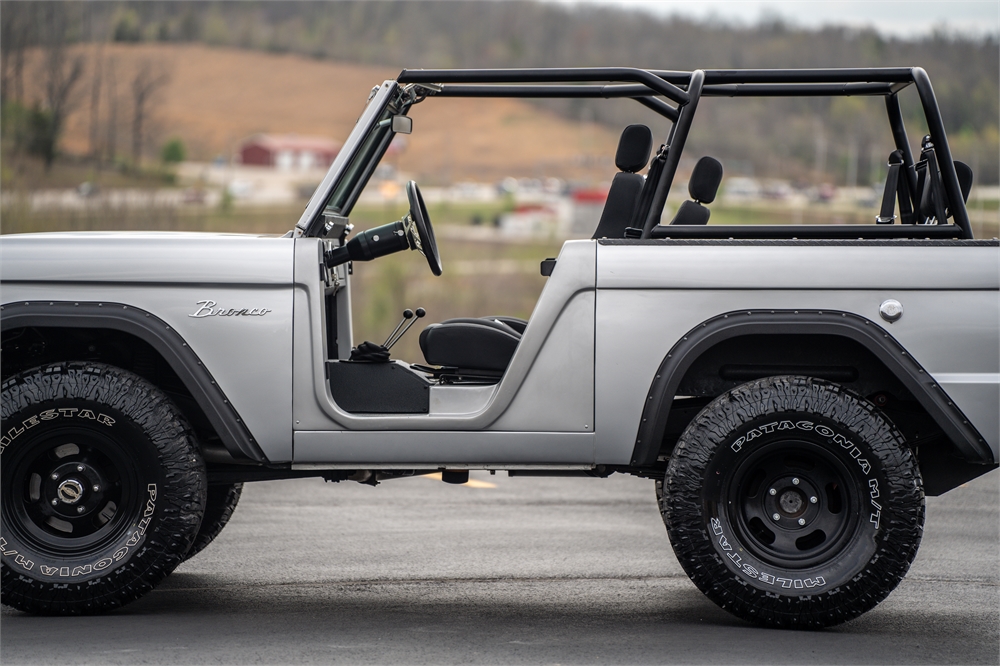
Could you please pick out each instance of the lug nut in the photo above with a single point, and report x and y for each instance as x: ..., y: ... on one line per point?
x: 802, y: 521
x: 55, y: 502
x: 772, y: 491
x: 795, y: 481
x: 813, y: 499
x: 79, y: 468
x: 97, y: 489
x: 54, y: 476
x: 79, y: 509
x: 776, y: 517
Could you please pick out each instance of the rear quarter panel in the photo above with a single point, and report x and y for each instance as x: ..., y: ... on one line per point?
x: 651, y: 293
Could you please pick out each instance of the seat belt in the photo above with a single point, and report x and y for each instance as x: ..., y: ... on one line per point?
x: 885, y: 215
x: 905, y: 201
x: 634, y: 230
x: 936, y: 189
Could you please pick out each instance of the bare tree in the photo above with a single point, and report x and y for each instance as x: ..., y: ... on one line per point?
x: 111, y: 139
x: 60, y: 74
x: 95, y: 105
x: 17, y: 34
x: 148, y: 81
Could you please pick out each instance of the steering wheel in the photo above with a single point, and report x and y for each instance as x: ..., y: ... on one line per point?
x: 421, y: 232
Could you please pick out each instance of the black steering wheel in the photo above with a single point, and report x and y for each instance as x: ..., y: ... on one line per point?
x: 421, y: 233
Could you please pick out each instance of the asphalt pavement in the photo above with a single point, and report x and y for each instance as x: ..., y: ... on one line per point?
x: 510, y: 571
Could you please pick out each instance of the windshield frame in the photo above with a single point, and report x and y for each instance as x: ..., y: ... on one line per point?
x: 356, y: 161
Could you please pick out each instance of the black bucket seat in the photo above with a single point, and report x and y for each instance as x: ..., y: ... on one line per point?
x: 702, y: 186
x: 634, y: 146
x: 483, y: 347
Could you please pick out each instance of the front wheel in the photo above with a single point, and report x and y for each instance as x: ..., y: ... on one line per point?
x: 103, y: 488
x: 220, y: 503
x: 792, y: 502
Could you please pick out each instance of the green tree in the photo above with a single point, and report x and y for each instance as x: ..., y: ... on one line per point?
x: 127, y: 27
x: 173, y: 151
x: 42, y: 134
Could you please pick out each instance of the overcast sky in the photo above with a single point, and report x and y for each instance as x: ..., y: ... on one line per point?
x: 902, y: 18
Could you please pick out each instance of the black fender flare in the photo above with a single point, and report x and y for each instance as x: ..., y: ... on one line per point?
x: 163, y: 338
x: 968, y: 442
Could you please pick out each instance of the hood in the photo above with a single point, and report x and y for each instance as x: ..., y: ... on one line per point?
x: 138, y: 257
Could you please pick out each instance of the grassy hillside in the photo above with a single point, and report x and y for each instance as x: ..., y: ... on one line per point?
x: 416, y: 33
x: 215, y: 97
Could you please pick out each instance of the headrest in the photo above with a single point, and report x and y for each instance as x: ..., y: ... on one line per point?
x: 634, y: 148
x: 705, y: 179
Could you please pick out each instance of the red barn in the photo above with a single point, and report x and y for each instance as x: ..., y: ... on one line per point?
x: 288, y: 152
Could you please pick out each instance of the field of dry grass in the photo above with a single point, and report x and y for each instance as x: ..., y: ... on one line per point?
x: 217, y: 96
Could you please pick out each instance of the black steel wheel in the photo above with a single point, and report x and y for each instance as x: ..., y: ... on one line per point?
x: 792, y: 502
x: 102, y: 491
x: 219, y: 506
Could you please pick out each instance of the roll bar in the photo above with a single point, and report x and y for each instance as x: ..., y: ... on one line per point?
x: 682, y: 90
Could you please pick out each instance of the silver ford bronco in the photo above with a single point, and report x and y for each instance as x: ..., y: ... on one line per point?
x: 793, y: 391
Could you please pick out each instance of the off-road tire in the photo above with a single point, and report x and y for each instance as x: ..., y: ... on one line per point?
x: 103, y: 488
x: 833, y: 462
x: 219, y: 507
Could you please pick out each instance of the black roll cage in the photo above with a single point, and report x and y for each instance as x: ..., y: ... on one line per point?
x: 684, y: 89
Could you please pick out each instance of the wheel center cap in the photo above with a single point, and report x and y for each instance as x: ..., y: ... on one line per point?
x: 791, y: 502
x: 70, y: 491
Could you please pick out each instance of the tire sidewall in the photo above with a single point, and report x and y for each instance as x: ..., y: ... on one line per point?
x: 162, y: 503
x: 729, y: 537
x: 32, y: 427
x: 857, y: 573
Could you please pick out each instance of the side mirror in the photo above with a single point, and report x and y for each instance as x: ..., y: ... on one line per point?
x: 402, y: 124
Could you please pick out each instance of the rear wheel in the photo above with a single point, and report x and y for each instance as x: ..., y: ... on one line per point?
x: 102, y: 491
x: 792, y: 502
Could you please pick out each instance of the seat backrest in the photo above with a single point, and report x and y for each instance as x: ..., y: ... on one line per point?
x: 633, y: 152
x: 702, y: 186
x: 964, y: 173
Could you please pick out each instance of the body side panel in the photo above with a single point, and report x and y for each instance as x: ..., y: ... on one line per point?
x: 249, y: 356
x: 145, y: 257
x: 315, y: 409
x: 558, y: 393
x: 949, y: 325
x: 806, y: 266
x: 429, y: 448
x: 624, y: 374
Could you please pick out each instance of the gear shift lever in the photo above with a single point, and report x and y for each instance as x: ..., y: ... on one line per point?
x: 407, y: 315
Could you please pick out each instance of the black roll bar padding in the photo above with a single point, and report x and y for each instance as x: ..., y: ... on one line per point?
x: 607, y: 91
x: 678, y: 134
x: 795, y: 90
x: 638, y: 92
x: 807, y: 76
x: 902, y: 143
x: 642, y: 93
x: 949, y: 177
x: 546, y: 75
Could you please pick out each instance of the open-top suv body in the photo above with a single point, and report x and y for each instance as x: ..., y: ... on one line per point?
x: 793, y: 390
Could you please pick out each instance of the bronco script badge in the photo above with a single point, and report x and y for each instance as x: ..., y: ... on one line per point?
x: 207, y: 309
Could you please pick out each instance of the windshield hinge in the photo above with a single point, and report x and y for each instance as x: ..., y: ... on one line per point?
x: 418, y: 92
